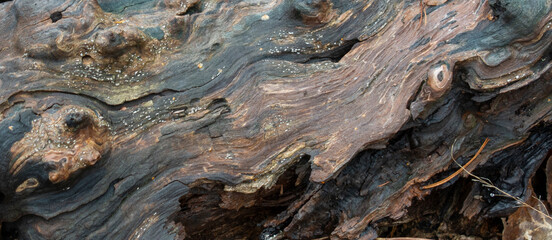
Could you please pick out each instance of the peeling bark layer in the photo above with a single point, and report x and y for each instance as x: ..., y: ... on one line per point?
x: 200, y: 119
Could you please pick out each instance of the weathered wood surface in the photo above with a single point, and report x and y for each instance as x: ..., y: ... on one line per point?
x: 293, y: 119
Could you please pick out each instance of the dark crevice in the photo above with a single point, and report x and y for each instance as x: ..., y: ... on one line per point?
x: 87, y: 60
x: 3, y: 1
x: 539, y: 182
x: 334, y: 55
x: 9, y: 231
x: 414, y: 96
x: 195, y: 8
x: 55, y: 16
x: 218, y: 103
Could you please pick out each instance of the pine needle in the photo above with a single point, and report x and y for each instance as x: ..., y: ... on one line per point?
x: 462, y: 168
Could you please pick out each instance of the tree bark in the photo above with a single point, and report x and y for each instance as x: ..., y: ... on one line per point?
x: 295, y: 119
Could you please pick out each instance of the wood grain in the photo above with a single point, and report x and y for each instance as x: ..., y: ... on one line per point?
x: 261, y: 119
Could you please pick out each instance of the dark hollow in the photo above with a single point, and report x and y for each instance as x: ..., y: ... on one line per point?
x: 56, y: 16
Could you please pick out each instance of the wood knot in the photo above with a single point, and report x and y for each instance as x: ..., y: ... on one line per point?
x: 30, y: 183
x: 439, y: 78
x: 114, y: 41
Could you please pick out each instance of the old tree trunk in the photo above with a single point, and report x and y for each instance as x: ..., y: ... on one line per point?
x: 290, y: 119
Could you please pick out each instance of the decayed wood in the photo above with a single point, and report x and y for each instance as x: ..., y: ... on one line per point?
x: 290, y: 119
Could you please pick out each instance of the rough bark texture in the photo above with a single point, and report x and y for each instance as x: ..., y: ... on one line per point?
x: 289, y: 119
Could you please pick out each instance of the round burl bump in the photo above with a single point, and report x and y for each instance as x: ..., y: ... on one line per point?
x: 67, y: 141
x: 114, y: 41
x: 109, y: 41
